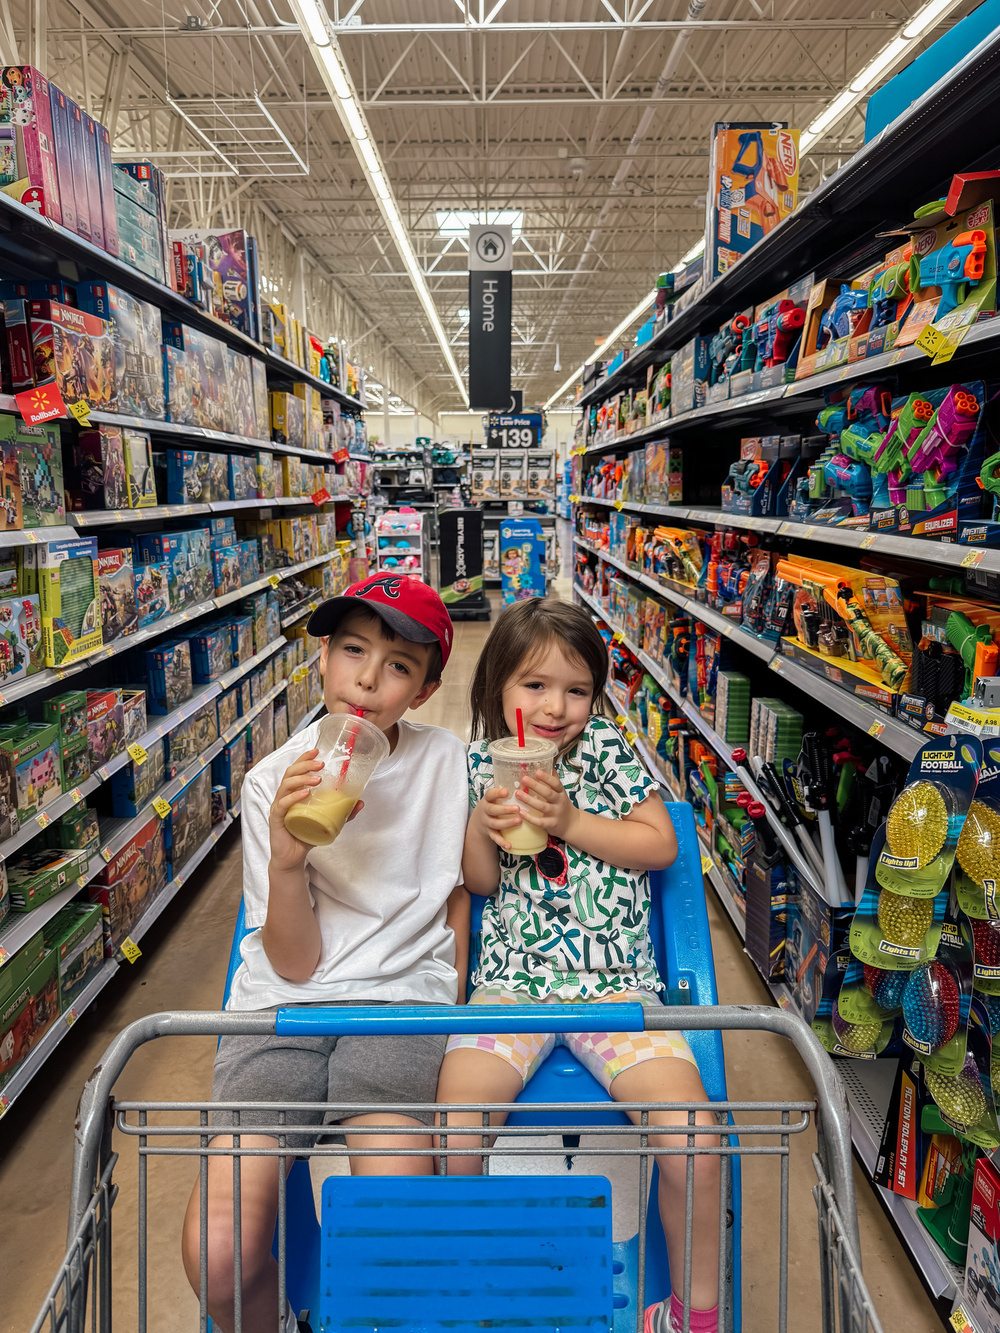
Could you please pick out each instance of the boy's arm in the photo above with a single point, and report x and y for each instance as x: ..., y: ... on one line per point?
x: 290, y: 935
x: 459, y: 921
x: 644, y: 839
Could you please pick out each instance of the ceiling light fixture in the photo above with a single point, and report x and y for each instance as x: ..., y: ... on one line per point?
x: 315, y: 25
x: 641, y: 309
x: 922, y: 21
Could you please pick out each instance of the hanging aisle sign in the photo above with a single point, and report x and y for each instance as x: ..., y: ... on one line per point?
x: 491, y: 261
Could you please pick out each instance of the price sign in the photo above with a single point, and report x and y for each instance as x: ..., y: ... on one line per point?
x: 43, y: 820
x: 321, y: 496
x: 76, y: 794
x: 706, y: 864
x: 106, y: 853
x: 161, y: 807
x: 620, y: 719
x: 774, y: 664
x: 876, y: 729
x: 513, y: 432
x: 950, y: 345
x: 631, y: 737
x: 616, y: 637
x: 81, y: 411
x: 897, y: 356
x: 137, y: 752
x: 931, y: 340
x: 972, y: 559
x: 869, y: 541
x: 844, y: 373
x: 31, y: 536
x: 619, y: 504
x: 4, y: 1103
x: 70, y: 1016
x: 341, y: 456
x: 959, y: 1321
x: 273, y: 580
x: 130, y: 949
x: 4, y: 955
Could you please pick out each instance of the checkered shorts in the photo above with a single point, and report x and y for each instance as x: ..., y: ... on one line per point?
x: 604, y: 1054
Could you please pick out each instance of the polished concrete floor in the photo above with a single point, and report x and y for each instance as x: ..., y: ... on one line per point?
x: 183, y: 967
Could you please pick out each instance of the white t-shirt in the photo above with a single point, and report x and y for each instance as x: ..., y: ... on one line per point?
x: 379, y: 892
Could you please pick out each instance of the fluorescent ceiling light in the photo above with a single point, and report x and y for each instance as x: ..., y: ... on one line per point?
x: 697, y: 249
x: 922, y: 21
x: 457, y: 221
x: 312, y: 20
x: 641, y: 309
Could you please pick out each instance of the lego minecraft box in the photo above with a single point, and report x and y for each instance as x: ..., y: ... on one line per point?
x: 40, y: 469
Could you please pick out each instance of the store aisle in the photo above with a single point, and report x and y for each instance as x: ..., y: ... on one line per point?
x: 183, y: 966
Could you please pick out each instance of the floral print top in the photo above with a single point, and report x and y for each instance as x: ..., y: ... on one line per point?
x: 563, y: 923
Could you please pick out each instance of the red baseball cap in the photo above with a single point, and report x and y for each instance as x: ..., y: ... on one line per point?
x: 408, y: 606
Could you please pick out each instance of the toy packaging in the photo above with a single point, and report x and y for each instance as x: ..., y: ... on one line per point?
x: 260, y: 740
x: 105, y: 725
x: 227, y: 709
x: 134, y: 712
x: 11, y: 513
x: 37, y: 762
x: 188, y: 477
x: 152, y: 592
x: 178, y: 386
x: 116, y: 584
x: 135, y: 328
x: 191, y: 738
x: 134, y: 785
x: 76, y: 935
x: 130, y: 882
x: 77, y: 828
x: 211, y: 654
x: 20, y: 637
x: 67, y: 583
x: 139, y: 476
x: 75, y: 351
x: 753, y: 185
x: 982, y: 1272
x: 97, y: 480
x: 39, y: 460
x: 69, y: 712
x: 226, y: 571
x: 190, y: 820
x: 75, y: 757
x: 29, y: 1005
x: 169, y: 676
x: 26, y: 114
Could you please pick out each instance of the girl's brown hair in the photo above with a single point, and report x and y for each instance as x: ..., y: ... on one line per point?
x: 521, y: 631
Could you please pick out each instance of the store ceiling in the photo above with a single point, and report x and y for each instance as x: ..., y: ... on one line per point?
x: 474, y: 105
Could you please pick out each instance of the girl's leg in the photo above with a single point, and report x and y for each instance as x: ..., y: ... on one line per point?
x: 387, y: 1165
x: 472, y: 1075
x: 674, y: 1079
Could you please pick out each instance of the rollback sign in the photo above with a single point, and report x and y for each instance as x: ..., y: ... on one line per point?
x: 491, y: 261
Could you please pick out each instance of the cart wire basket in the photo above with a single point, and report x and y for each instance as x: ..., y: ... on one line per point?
x: 525, y: 1242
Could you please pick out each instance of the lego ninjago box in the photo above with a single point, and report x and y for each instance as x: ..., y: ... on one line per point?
x: 75, y: 351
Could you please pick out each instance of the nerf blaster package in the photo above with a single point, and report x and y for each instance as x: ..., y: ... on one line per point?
x: 952, y: 273
x: 926, y: 819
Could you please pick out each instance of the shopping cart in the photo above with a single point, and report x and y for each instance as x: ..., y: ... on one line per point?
x: 342, y: 1274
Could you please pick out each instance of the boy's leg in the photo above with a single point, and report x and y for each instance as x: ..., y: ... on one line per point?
x: 251, y: 1069
x: 387, y: 1071
x: 258, y: 1211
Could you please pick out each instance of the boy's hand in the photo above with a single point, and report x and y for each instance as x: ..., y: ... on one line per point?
x: 288, y: 853
x: 495, y: 816
x: 551, y: 809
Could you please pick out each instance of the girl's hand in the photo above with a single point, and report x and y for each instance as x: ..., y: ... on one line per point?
x: 550, y: 806
x: 494, y: 816
x: 288, y: 853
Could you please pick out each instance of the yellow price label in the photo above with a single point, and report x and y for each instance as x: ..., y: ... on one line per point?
x: 706, y: 864
x: 774, y: 664
x: 897, y: 356
x: 273, y: 580
x: 137, y: 752
x: 76, y: 794
x: 31, y: 536
x: 130, y: 949
x: 972, y: 559
x: 619, y: 505
x: 931, y: 340
x: 106, y: 853
x: 868, y: 542
x: 4, y: 1103
x: 876, y: 729
x: 70, y: 1016
x: 616, y: 637
x: 161, y: 807
x: 631, y: 737
x: 959, y: 1321
x: 783, y: 1001
x: 620, y: 719
x: 4, y: 955
x: 81, y: 412
x: 845, y: 372
x: 43, y: 820
x: 574, y: 499
x: 950, y: 345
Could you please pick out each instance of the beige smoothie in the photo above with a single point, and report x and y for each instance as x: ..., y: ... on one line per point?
x: 512, y: 763
x: 318, y: 820
x: 526, y: 839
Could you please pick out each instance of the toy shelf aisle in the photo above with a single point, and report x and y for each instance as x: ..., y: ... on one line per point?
x: 187, y: 554
x: 670, y: 550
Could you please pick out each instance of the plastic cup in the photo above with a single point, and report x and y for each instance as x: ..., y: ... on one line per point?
x: 350, y: 748
x: 512, y: 763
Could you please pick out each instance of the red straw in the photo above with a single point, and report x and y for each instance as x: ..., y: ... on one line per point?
x: 345, y: 765
x: 520, y: 729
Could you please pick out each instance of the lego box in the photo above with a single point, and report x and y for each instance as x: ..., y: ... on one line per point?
x: 116, y: 583
x: 138, y: 451
x: 137, y: 337
x: 25, y: 109
x: 67, y: 582
x: 40, y: 468
x: 130, y: 882
x: 28, y: 1008
x: 11, y: 512
x: 20, y: 638
x: 74, y: 351
x: 105, y: 725
x: 37, y: 759
x: 76, y: 935
x: 97, y: 480
x: 169, y: 676
x: 152, y: 592
x: 190, y: 820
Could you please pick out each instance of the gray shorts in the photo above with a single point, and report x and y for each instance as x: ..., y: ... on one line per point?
x: 352, y: 1070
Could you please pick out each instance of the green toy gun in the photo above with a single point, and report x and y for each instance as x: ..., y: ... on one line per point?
x: 989, y: 478
x: 975, y: 647
x: 890, y: 460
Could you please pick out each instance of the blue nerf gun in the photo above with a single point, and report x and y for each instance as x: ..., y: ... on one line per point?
x: 836, y: 321
x: 954, y: 268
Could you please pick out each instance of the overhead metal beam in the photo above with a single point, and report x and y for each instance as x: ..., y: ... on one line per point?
x: 354, y: 30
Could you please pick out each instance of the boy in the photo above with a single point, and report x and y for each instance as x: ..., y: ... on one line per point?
x: 377, y: 917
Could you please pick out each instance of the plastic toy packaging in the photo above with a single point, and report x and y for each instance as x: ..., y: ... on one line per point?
x: 966, y: 1100
x: 899, y: 918
x: 977, y: 872
x: 926, y: 819
x: 859, y: 1031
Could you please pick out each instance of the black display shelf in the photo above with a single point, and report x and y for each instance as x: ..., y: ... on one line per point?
x: 833, y: 232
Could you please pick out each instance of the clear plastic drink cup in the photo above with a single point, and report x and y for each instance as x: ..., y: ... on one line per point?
x: 350, y: 748
x: 512, y: 763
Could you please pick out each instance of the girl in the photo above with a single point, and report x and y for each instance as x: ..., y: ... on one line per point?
x: 572, y: 923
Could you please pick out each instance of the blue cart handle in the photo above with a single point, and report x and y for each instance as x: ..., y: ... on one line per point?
x: 393, y: 1020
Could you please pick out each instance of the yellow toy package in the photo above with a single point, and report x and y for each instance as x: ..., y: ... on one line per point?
x: 753, y: 182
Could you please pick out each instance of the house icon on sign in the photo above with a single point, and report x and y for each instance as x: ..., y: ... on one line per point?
x: 490, y: 246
